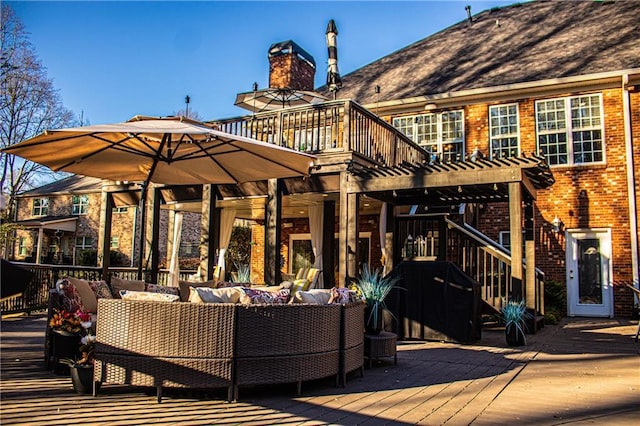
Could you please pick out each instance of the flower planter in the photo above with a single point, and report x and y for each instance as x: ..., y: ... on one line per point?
x: 373, y: 319
x: 82, y: 379
x: 65, y: 346
x: 514, y: 336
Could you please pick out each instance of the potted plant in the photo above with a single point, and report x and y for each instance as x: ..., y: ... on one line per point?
x: 81, y: 367
x: 515, y: 315
x: 374, y: 288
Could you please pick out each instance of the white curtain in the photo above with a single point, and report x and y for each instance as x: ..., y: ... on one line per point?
x: 316, y: 223
x: 174, y: 265
x: 227, y: 217
x: 383, y: 237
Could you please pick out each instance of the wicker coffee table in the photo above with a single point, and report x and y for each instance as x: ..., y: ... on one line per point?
x: 380, y: 346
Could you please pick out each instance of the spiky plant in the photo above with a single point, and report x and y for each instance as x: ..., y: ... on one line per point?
x: 374, y: 288
x: 514, y: 314
x: 243, y: 272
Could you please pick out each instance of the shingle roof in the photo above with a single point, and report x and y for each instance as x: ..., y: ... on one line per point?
x: 73, y: 184
x: 513, y: 44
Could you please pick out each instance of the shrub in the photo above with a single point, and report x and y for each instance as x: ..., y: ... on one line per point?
x: 555, y: 301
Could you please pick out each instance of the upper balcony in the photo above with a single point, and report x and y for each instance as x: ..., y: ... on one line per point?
x: 336, y: 131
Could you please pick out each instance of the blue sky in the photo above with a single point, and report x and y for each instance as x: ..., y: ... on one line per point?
x: 113, y: 60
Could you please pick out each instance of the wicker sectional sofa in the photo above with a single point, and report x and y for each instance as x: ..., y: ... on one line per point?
x: 181, y: 344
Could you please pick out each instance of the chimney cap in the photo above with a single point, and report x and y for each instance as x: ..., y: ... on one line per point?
x: 289, y: 47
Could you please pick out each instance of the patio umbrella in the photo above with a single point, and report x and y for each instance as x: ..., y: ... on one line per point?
x: 171, y: 150
x: 271, y: 99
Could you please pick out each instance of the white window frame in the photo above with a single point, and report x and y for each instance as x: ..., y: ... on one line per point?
x: 86, y: 243
x: 114, y: 243
x: 42, y: 207
x: 118, y: 210
x: 564, y: 126
x: 22, y: 246
x: 504, y: 133
x: 80, y: 205
x: 429, y: 131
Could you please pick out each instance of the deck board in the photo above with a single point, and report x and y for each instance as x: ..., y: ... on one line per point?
x: 584, y: 371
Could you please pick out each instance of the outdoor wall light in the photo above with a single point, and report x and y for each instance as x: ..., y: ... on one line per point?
x: 430, y: 106
x: 557, y: 224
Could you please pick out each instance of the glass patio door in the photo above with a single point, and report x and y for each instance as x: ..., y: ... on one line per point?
x: 589, y: 291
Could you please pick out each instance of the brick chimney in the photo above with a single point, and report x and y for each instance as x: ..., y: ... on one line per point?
x: 290, y: 66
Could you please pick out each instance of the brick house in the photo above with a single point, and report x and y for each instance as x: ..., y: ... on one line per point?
x: 61, y: 221
x: 559, y: 79
x: 503, y: 141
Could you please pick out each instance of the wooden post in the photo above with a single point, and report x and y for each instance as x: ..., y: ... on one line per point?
x: 515, y: 229
x: 155, y: 236
x: 530, y: 255
x: 353, y: 226
x: 328, y: 244
x: 342, y: 232
x: 209, y: 232
x: 104, y: 233
x: 272, y: 234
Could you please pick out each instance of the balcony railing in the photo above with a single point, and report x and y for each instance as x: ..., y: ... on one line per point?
x: 330, y: 127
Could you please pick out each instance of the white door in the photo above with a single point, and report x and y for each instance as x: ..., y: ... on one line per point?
x: 589, y: 291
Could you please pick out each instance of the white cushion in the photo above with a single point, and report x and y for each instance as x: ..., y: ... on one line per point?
x: 313, y: 296
x: 146, y: 296
x: 214, y: 295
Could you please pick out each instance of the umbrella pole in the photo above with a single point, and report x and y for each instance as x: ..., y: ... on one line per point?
x: 143, y: 227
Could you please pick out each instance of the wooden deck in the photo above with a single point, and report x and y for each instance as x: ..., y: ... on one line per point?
x: 583, y: 371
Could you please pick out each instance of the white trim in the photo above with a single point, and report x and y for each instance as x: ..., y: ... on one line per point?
x: 600, y: 310
x: 517, y: 133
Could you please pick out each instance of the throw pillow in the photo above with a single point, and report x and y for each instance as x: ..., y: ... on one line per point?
x: 301, y: 284
x: 101, y: 289
x: 313, y: 297
x: 183, y: 287
x: 252, y: 296
x: 146, y: 296
x: 118, y: 284
x: 342, y: 295
x: 165, y: 289
x: 215, y: 295
x: 69, y: 297
x: 88, y: 297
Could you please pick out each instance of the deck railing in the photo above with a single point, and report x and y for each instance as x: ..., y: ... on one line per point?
x: 36, y: 294
x: 330, y: 127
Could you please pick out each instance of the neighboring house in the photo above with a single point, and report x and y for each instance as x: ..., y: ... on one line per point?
x: 61, y: 225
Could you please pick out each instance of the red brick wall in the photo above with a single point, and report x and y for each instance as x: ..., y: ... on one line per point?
x: 289, y: 71
x: 582, y: 197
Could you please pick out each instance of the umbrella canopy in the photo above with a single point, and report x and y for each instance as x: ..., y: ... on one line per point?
x: 172, y: 150
x: 276, y: 98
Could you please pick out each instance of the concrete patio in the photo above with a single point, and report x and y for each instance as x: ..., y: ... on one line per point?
x: 583, y: 371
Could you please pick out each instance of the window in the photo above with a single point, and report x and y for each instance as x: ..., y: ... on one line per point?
x: 83, y: 243
x: 505, y: 240
x: 22, y: 246
x: 115, y: 242
x: 120, y: 209
x: 503, y: 131
x: 40, y: 206
x: 301, y: 252
x: 440, y: 133
x: 570, y: 130
x: 80, y: 204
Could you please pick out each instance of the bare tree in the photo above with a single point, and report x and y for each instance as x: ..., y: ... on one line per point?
x: 189, y: 114
x: 29, y: 104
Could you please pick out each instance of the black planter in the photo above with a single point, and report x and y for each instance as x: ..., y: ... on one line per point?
x: 373, y: 319
x: 82, y: 379
x: 65, y: 346
x: 514, y: 336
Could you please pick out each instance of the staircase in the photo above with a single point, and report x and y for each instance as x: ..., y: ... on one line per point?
x: 474, y: 253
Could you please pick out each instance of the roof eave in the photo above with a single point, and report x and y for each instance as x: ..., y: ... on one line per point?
x: 536, y: 88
